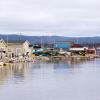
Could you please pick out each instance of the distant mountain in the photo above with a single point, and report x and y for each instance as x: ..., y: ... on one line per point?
x: 52, y: 39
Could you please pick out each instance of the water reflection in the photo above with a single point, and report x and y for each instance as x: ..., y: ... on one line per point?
x: 79, y: 80
x: 19, y: 71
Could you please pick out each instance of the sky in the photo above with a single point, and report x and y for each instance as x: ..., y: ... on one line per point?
x: 50, y: 17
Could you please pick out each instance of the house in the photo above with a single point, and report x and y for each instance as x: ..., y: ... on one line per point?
x: 3, y: 49
x: 19, y: 48
x: 27, y: 48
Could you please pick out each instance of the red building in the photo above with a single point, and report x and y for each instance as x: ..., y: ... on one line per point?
x: 76, y: 46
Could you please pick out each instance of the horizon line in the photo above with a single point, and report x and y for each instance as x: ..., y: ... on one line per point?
x: 52, y: 35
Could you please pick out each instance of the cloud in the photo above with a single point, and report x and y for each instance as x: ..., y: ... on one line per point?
x: 50, y: 17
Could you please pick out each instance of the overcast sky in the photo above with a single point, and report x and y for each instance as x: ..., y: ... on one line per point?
x: 50, y: 17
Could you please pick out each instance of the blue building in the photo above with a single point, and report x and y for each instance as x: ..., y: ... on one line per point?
x: 62, y: 45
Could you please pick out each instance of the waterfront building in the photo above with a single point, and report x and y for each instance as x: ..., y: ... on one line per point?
x: 27, y: 48
x: 19, y: 48
x: 91, y: 52
x: 77, y: 51
x: 63, y: 45
x: 76, y: 46
x: 3, y: 49
x: 83, y: 51
x: 98, y: 51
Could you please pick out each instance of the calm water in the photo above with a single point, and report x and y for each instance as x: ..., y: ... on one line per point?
x: 51, y: 81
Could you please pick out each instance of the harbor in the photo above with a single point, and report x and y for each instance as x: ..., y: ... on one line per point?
x: 23, y: 51
x: 49, y: 50
x: 59, y: 70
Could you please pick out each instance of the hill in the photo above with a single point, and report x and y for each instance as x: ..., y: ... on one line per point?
x: 51, y: 39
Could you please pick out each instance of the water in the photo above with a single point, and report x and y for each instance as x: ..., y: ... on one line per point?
x: 51, y: 81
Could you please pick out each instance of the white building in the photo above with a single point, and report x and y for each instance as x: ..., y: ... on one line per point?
x: 19, y: 48
x: 3, y: 49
